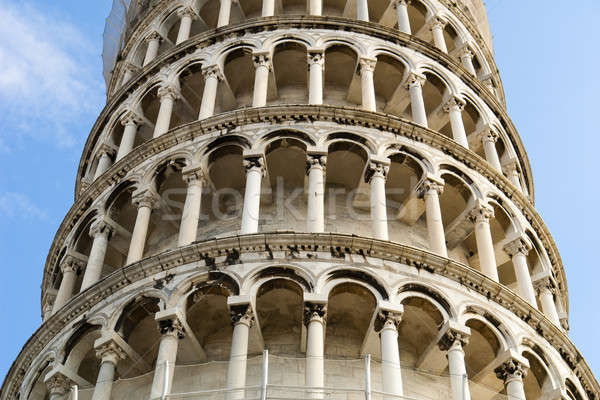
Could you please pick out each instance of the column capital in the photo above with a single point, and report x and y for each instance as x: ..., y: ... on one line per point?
x: 512, y: 369
x: 153, y: 36
x: 109, y: 351
x: 415, y: 80
x: 131, y: 117
x: 58, y: 383
x: 511, y: 166
x: 316, y: 56
x: 377, y: 168
x: 396, y: 3
x: 430, y: 183
x: 193, y: 175
x: 262, y: 59
x: 187, y: 11
x: 145, y: 197
x: 107, y: 149
x: 241, y: 314
x: 100, y: 227
x: 254, y: 162
x: 487, y: 134
x: 454, y: 103
x: 517, y: 246
x: 437, y: 23
x: 213, y: 71
x: 388, y: 319
x: 315, y: 312
x: 544, y: 285
x: 465, y: 52
x: 453, y: 336
x: 316, y: 161
x: 167, y: 91
x: 171, y: 327
x: 482, y: 212
x: 71, y: 263
x: 367, y: 64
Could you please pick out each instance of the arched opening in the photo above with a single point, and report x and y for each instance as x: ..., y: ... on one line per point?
x: 149, y: 105
x: 417, y: 15
x: 82, y: 247
x: 239, y: 79
x: 451, y: 37
x: 388, y: 77
x: 480, y: 353
x: 290, y: 66
x: 503, y: 230
x: 122, y: 213
x: 191, y: 83
x: 80, y: 355
x: 537, y: 382
x: 435, y: 95
x: 342, y: 83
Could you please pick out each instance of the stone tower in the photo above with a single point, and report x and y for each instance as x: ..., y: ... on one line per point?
x: 335, y: 182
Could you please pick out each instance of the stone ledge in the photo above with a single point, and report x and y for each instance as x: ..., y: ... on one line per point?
x: 282, y: 242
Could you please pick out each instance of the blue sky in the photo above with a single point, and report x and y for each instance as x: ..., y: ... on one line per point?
x: 51, y: 91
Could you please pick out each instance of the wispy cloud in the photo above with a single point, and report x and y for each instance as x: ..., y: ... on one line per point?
x: 49, y: 77
x: 20, y: 206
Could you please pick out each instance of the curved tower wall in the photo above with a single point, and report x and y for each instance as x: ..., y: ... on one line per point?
x: 337, y: 183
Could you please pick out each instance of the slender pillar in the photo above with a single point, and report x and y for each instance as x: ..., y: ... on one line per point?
x: 145, y: 200
x: 546, y: 290
x: 430, y: 190
x: 480, y: 216
x: 466, y: 59
x: 518, y: 250
x: 376, y: 177
x: 242, y: 318
x: 69, y: 267
x: 511, y: 170
x: 362, y: 10
x: 367, y: 68
x: 191, y: 209
x: 167, y: 95
x: 512, y: 373
x: 315, y: 70
x: 268, y: 8
x: 390, y: 356
x: 100, y: 231
x: 452, y: 342
x: 172, y: 331
x: 489, y: 138
x: 131, y: 121
x: 109, y: 353
x: 186, y: 15
x: 315, y: 166
x: 402, y: 14
x: 58, y: 385
x: 315, y: 7
x: 315, y: 315
x: 212, y: 77
x: 437, y: 30
x: 224, y: 13
x: 130, y: 70
x: 104, y: 163
x: 153, y: 42
x: 454, y: 108
x: 251, y: 211
x: 417, y: 104
x: 262, y: 65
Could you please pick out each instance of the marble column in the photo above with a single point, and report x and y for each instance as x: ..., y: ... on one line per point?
x: 453, y: 342
x: 268, y: 8
x: 100, y: 232
x: 511, y: 170
x: 109, y: 353
x: 131, y: 121
x: 58, y: 386
x: 242, y: 318
x: 316, y: 62
x: 402, y: 14
x: 212, y: 77
x: 437, y: 30
x: 106, y: 153
x: 376, y: 176
x: 224, y: 13
x: 518, y: 250
x: 255, y: 168
x: 171, y: 332
x: 414, y: 85
x: 367, y: 68
x: 145, y: 200
x: 466, y: 59
x: 153, y: 43
x: 315, y: 7
x: 315, y: 315
x: 191, y: 209
x: 69, y: 267
x: 454, y: 107
x: 187, y: 16
x: 315, y: 166
x: 362, y: 10
x: 262, y: 65
x: 167, y: 94
x: 480, y: 216
x: 430, y: 190
x: 489, y: 137
x: 512, y: 372
x: 545, y: 290
x: 390, y: 356
x: 130, y: 70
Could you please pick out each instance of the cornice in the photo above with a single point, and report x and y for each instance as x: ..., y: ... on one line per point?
x: 296, y: 245
x: 303, y: 114
x: 268, y: 24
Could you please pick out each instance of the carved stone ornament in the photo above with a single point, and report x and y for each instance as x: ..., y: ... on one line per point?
x: 315, y: 311
x: 454, y: 104
x: 212, y: 71
x: 415, y: 80
x: 387, y: 319
x: 58, y: 384
x: 254, y: 163
x: 262, y: 60
x: 110, y: 352
x: 172, y: 327
x: 451, y: 338
x: 481, y: 213
x: 517, y: 246
x: 315, y: 161
x: 511, y: 369
x: 429, y: 184
x: 242, y: 314
x: 367, y: 64
x: 376, y: 169
x: 146, y: 198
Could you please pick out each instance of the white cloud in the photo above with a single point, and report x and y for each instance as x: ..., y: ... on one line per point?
x: 19, y: 205
x: 49, y: 76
